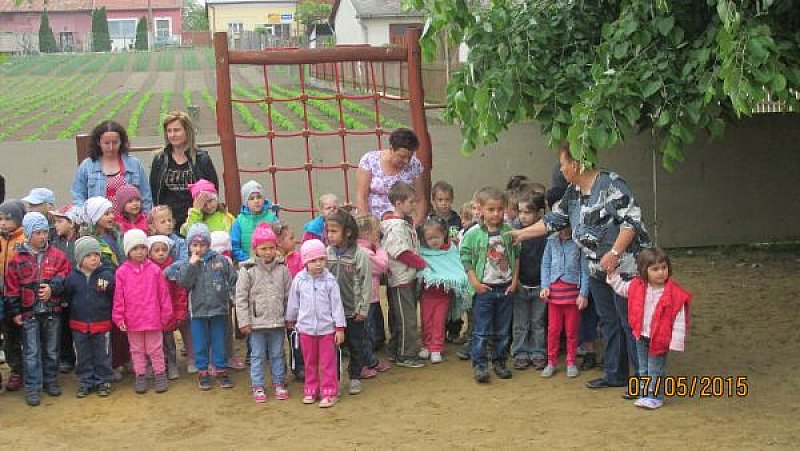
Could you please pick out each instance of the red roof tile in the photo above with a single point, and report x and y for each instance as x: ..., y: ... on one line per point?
x: 9, y: 6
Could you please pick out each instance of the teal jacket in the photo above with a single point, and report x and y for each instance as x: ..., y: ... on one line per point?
x: 242, y: 230
x: 475, y: 247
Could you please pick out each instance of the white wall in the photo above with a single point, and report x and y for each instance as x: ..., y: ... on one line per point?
x: 348, y: 29
x: 378, y: 29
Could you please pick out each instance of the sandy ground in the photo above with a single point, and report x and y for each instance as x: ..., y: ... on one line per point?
x: 744, y: 323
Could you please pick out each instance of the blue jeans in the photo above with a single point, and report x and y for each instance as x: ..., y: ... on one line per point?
x: 491, y: 321
x: 619, y: 343
x: 209, y: 332
x: 94, y: 358
x: 370, y: 358
x: 267, y: 343
x: 529, y: 324
x: 653, y: 366
x: 40, y: 348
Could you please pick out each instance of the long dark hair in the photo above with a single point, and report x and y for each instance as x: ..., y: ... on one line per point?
x: 106, y: 127
x: 649, y: 257
x: 349, y: 226
x: 436, y: 222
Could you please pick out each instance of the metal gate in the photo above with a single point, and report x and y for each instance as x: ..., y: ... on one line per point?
x: 309, y: 63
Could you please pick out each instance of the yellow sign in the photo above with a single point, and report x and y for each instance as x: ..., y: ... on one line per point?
x: 273, y: 18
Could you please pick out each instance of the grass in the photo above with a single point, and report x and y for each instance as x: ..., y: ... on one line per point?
x: 141, y: 62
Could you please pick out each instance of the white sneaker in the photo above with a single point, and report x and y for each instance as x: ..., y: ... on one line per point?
x: 2, y: 356
x: 572, y: 371
x: 436, y: 357
x: 424, y: 353
x: 548, y: 371
x: 191, y: 369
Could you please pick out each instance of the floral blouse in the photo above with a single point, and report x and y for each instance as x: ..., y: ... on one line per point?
x: 378, y: 198
x: 596, y: 220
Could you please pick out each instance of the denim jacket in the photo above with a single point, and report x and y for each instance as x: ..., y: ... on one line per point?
x: 563, y: 260
x: 90, y: 181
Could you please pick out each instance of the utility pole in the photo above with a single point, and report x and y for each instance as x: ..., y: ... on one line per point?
x: 151, y: 25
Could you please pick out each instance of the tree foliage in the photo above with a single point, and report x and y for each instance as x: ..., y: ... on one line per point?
x: 194, y: 17
x: 593, y: 72
x: 101, y: 40
x: 310, y: 12
x: 141, y: 34
x: 47, y: 40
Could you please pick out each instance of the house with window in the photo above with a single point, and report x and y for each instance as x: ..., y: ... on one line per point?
x: 374, y: 22
x: 274, y: 18
x: 71, y: 21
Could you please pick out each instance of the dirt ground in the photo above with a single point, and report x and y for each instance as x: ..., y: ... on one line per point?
x: 744, y: 323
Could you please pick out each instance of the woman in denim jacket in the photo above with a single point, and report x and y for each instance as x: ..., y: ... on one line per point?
x: 109, y: 167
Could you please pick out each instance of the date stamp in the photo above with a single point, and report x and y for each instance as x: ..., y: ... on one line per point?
x: 690, y: 386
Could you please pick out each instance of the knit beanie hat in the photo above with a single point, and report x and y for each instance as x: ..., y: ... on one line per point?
x: 32, y: 222
x: 151, y: 240
x: 220, y: 241
x: 312, y: 250
x: 133, y: 238
x: 70, y: 212
x: 202, y: 186
x: 263, y: 234
x: 95, y: 208
x: 84, y: 246
x: 249, y: 188
x: 124, y: 195
x: 14, y: 209
x: 198, y: 232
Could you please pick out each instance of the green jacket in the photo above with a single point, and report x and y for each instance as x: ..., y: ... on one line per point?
x: 217, y: 221
x: 475, y: 247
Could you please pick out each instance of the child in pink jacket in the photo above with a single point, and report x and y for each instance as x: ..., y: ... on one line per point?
x: 143, y: 309
x: 369, y: 240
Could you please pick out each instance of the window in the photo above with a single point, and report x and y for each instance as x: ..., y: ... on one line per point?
x: 122, y: 28
x: 235, y: 27
x: 163, y: 28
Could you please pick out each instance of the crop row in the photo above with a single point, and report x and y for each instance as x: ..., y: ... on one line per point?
x: 141, y: 61
x: 300, y: 110
x: 79, y: 122
x: 277, y: 118
x: 166, y: 101
x: 136, y: 114
x: 326, y: 108
x: 165, y: 61
x: 119, y: 105
x: 14, y: 102
x: 25, y: 106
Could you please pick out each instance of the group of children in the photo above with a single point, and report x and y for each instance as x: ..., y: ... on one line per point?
x: 123, y: 282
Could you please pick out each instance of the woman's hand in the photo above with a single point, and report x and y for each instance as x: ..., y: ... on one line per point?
x: 363, y: 180
x: 246, y: 330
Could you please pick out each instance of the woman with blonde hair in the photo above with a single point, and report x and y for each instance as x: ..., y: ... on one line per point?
x: 180, y: 164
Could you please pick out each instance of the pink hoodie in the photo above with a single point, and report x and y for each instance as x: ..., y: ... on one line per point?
x: 141, y: 297
x: 379, y: 260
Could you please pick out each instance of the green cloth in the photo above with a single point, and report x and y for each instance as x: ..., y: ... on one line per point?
x: 445, y: 270
x: 475, y: 246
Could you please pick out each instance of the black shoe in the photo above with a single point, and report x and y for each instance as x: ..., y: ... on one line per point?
x: 32, y: 399
x: 65, y: 367
x: 104, y: 389
x: 83, y: 391
x: 602, y: 383
x: 481, y: 375
x: 589, y: 361
x: 628, y: 396
x: 502, y: 371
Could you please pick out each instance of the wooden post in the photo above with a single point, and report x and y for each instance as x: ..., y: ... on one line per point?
x: 82, y: 141
x: 230, y: 162
x: 416, y: 95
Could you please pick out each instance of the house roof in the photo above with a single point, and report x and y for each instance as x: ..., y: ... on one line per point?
x: 9, y: 6
x: 232, y: 2
x: 374, y: 9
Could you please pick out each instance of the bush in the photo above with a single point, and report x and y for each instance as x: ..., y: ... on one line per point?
x: 47, y: 40
x: 141, y: 34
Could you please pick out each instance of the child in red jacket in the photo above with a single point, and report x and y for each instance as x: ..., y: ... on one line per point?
x: 658, y: 312
x: 33, y: 306
x: 160, y: 252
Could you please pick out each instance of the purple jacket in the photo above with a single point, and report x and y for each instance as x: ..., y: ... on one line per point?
x: 315, y: 304
x: 141, y: 297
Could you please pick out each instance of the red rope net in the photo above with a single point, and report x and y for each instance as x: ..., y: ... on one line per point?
x: 344, y: 84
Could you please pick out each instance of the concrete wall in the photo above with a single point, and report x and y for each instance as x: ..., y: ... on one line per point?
x: 737, y: 190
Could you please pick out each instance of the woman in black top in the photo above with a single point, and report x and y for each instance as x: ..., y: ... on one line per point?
x: 178, y: 165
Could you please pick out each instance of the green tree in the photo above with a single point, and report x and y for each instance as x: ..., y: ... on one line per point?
x: 141, y: 34
x: 194, y: 16
x: 593, y: 72
x: 47, y: 40
x: 101, y: 40
x: 312, y: 11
